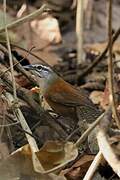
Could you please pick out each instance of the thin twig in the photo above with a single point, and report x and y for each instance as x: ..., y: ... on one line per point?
x: 89, y: 68
x: 79, y: 30
x: 88, y: 14
x: 107, y: 151
x: 10, y: 124
x: 9, y: 52
x: 101, y: 56
x: 10, y: 137
x: 3, y: 119
x: 93, y: 167
x: 110, y: 66
x: 28, y: 28
x: 8, y: 69
x: 104, y: 123
x: 72, y: 134
x: 103, y: 142
x: 33, y: 145
x: 19, y: 66
x: 27, y: 18
x: 16, y: 46
x: 87, y: 132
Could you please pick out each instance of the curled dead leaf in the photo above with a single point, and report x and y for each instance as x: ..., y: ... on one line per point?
x: 19, y: 165
x: 47, y: 29
x: 55, y: 154
x: 79, y: 168
x: 96, y: 96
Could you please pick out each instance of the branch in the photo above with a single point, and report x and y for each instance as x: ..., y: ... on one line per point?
x: 9, y: 52
x: 33, y: 145
x: 93, y: 167
x: 110, y: 66
x: 104, y: 124
x: 27, y: 18
x: 107, y: 151
x: 87, y: 132
x: 79, y: 30
x: 100, y: 57
x: 18, y: 66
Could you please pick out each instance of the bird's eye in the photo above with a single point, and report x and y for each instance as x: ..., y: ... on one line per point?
x: 39, y: 67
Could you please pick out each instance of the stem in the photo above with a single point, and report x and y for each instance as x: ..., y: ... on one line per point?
x: 27, y: 18
x: 9, y: 52
x: 79, y: 30
x: 110, y: 66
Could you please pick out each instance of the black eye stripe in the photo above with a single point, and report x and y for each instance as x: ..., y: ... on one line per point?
x: 42, y: 68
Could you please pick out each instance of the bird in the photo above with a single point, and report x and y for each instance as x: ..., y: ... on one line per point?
x: 62, y: 97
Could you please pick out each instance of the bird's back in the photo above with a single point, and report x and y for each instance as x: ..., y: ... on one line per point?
x: 65, y: 99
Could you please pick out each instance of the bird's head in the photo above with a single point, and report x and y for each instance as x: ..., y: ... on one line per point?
x: 44, y: 72
x: 40, y: 70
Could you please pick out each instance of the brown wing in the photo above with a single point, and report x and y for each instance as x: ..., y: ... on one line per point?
x: 85, y: 108
x: 71, y: 99
x: 63, y: 93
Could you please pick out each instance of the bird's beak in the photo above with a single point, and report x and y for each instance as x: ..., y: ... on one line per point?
x: 29, y: 67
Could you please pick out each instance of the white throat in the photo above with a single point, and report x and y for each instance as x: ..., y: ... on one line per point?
x: 46, y: 82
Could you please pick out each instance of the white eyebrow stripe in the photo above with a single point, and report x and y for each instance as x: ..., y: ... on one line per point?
x: 45, y: 68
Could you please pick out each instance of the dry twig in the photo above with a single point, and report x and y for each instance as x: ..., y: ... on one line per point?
x: 87, y: 132
x: 93, y: 167
x: 79, y: 30
x: 101, y: 56
x: 25, y: 95
x: 9, y: 52
x: 104, y: 145
x: 34, y: 148
x: 27, y: 18
x: 8, y: 69
x: 14, y: 102
x: 18, y: 66
x: 110, y: 66
x: 108, y: 152
x: 105, y: 124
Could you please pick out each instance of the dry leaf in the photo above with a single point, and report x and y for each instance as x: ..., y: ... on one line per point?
x: 50, y: 155
x: 19, y: 165
x: 2, y: 88
x: 105, y: 99
x: 46, y: 55
x: 47, y: 29
x: 22, y: 80
x: 115, y: 143
x: 99, y: 47
x: 54, y: 154
x: 4, y: 151
x: 96, y: 96
x: 79, y: 168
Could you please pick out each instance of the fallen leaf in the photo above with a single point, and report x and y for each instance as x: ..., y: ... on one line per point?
x: 4, y: 151
x: 51, y: 155
x: 105, y: 98
x: 47, y: 29
x: 115, y: 143
x: 54, y: 154
x: 96, y: 96
x: 79, y: 168
x: 19, y: 165
x: 99, y: 47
